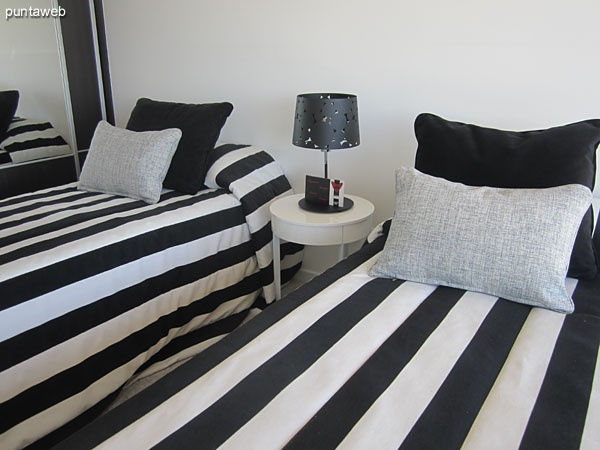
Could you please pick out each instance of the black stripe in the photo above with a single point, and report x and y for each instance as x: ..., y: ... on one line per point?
x: 35, y: 196
x: 259, y: 304
x: 46, y: 279
x: 77, y: 378
x: 37, y: 143
x: 243, y: 167
x: 267, y: 274
x: 290, y: 248
x: 586, y: 296
x: 60, y: 434
x: 127, y: 413
x: 450, y: 414
x: 218, y: 152
x: 288, y: 274
x: 352, y: 401
x: 262, y: 194
x: 15, y: 130
x: 4, y: 157
x: 42, y: 203
x: 90, y: 230
x: 558, y: 417
x: 224, y: 417
x: 262, y: 237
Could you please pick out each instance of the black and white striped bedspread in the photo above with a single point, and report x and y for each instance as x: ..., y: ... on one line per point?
x: 93, y: 285
x: 357, y: 362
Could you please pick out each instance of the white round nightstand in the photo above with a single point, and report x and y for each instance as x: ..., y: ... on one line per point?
x: 292, y: 223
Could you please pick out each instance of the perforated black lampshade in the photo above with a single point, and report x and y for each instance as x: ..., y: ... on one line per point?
x: 326, y: 121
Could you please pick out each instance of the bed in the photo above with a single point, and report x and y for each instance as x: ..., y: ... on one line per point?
x: 361, y: 357
x: 359, y: 362
x: 94, y: 286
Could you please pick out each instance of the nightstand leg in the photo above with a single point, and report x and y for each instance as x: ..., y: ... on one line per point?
x: 277, y: 267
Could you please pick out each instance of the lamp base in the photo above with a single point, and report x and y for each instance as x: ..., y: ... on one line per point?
x: 325, y: 209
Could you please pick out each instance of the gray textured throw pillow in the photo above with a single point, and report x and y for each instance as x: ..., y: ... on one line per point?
x: 510, y: 243
x: 128, y: 163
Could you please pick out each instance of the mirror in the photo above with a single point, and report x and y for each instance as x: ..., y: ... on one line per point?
x: 32, y: 63
x: 59, y: 65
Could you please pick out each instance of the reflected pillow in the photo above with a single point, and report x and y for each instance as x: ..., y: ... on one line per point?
x: 27, y: 140
x: 509, y: 243
x: 480, y: 156
x: 128, y: 163
x: 200, y: 124
x: 9, y: 100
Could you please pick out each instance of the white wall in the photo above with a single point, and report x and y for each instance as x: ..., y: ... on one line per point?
x: 513, y: 64
x: 29, y: 62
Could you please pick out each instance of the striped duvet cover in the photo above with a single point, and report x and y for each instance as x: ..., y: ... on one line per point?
x: 355, y: 362
x: 92, y: 286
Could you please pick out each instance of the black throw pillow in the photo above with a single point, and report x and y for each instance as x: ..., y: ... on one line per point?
x: 9, y: 100
x: 200, y: 126
x: 479, y: 156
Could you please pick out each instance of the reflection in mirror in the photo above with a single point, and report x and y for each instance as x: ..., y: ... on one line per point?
x: 30, y: 56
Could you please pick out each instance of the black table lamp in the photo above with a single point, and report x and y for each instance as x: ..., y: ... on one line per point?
x: 326, y: 122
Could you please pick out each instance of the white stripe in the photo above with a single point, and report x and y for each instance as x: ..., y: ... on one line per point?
x: 60, y: 357
x: 291, y: 260
x: 37, y: 200
x: 418, y: 382
x: 328, y: 374
x: 225, y: 161
x: 264, y: 255
x: 261, y: 216
x: 205, y: 390
x: 503, y: 417
x: 254, y: 179
x: 37, y: 311
x: 269, y: 292
x: 121, y: 233
x: 590, y: 439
